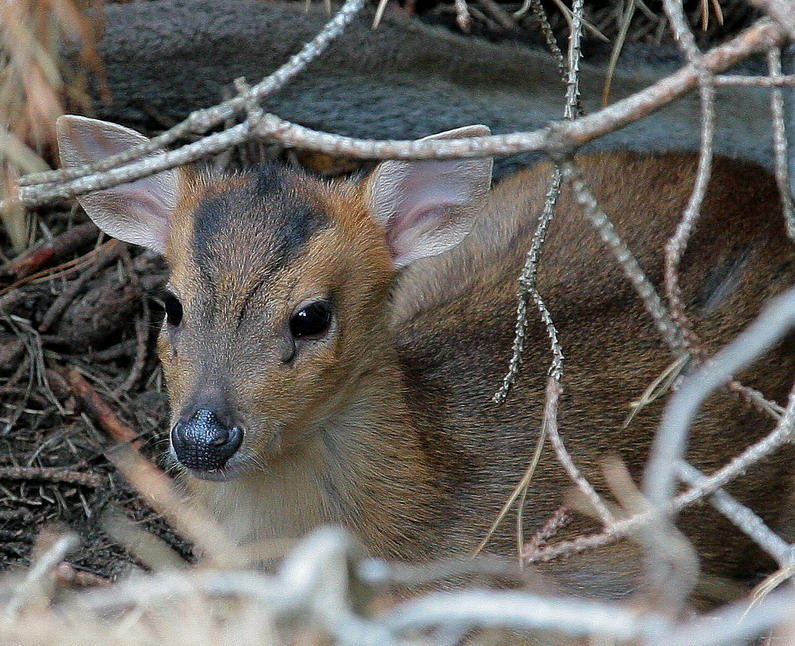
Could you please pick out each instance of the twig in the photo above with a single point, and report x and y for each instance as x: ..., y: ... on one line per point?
x: 546, y: 30
x: 732, y: 624
x: 780, y: 11
x: 771, y: 325
x: 60, y: 246
x: 201, y: 121
x: 556, y: 522
x: 780, y: 142
x: 141, y: 350
x: 64, y: 269
x: 462, y: 17
x: 734, y: 468
x: 499, y: 14
x: 755, y: 81
x: 676, y: 245
x: 379, y: 13
x: 568, y: 464
x: 33, y: 583
x: 556, y: 136
x: 632, y: 270
x: 67, y: 574
x: 523, y: 611
x: 523, y: 483
x: 53, y: 474
x: 101, y: 260
x: 158, y: 490
x: 99, y: 409
x: 626, y: 20
x: 750, y: 524
x: 527, y: 290
x: 527, y: 278
x: 141, y: 332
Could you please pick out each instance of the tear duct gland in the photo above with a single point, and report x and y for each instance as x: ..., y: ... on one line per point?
x: 331, y: 348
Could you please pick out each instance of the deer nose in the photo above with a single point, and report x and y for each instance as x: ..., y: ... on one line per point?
x: 203, y: 443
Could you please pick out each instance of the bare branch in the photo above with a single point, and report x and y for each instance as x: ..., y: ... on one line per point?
x: 732, y: 624
x: 523, y: 611
x: 780, y: 11
x: 780, y: 142
x: 750, y: 524
x: 755, y: 81
x: 734, y: 468
x: 776, y: 319
x: 556, y: 136
x: 35, y: 576
x: 202, y: 120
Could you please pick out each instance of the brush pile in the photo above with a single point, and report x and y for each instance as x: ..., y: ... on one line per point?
x: 95, y: 540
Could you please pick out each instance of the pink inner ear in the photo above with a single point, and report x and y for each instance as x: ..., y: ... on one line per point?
x: 429, y: 192
x: 137, y: 212
x: 418, y: 239
x: 426, y: 206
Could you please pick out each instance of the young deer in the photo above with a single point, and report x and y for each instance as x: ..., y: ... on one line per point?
x: 331, y: 349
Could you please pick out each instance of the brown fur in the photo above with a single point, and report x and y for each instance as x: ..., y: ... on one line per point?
x: 389, y: 428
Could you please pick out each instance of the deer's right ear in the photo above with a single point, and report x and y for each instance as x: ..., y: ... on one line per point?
x: 137, y: 212
x: 427, y: 207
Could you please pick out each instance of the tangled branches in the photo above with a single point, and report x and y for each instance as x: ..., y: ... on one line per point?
x: 326, y: 580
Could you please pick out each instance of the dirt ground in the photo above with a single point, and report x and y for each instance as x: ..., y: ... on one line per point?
x: 105, y: 334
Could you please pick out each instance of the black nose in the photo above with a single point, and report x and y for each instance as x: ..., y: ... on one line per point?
x: 203, y: 443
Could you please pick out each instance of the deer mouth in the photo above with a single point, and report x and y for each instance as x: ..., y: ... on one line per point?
x: 216, y: 475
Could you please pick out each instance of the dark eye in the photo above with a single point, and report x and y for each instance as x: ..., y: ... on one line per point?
x: 173, y: 310
x: 312, y: 320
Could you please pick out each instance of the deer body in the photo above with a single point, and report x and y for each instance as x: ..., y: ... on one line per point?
x: 331, y: 350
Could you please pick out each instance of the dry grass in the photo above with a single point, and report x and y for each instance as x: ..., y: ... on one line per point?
x: 36, y: 84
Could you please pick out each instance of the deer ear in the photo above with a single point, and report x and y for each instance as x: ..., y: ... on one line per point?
x: 137, y: 212
x: 426, y: 207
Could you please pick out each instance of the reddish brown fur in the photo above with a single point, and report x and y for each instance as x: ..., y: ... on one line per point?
x: 390, y: 428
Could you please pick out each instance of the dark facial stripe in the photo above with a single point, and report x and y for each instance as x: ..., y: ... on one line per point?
x: 266, y: 219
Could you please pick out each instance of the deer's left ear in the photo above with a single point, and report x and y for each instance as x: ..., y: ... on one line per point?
x: 136, y: 212
x: 427, y: 207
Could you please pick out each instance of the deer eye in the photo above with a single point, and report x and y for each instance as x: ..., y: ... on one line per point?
x: 173, y: 310
x: 312, y: 320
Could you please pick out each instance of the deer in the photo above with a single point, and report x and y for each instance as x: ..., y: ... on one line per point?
x: 331, y: 347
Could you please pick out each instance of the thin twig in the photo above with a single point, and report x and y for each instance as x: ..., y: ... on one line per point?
x: 568, y: 464
x: 741, y: 516
x: 780, y: 142
x: 643, y: 286
x: 159, y: 491
x: 201, y: 121
x: 755, y: 81
x: 101, y: 260
x: 99, y: 409
x: 734, y: 468
x: 675, y: 247
x: 669, y: 443
x: 780, y: 11
x: 53, y: 474
x: 58, y: 247
x: 33, y: 584
x: 556, y: 136
x: 518, y: 490
x: 528, y: 290
x: 141, y: 332
x: 556, y: 522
